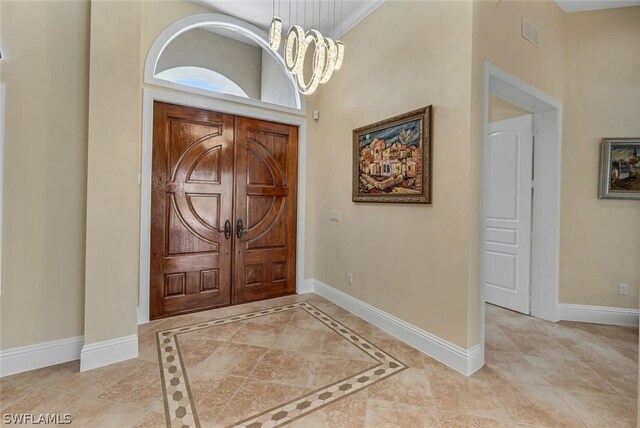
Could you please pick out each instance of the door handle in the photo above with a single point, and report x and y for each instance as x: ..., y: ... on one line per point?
x: 227, y: 229
x: 239, y: 230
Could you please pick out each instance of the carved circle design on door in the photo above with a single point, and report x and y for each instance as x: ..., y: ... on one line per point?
x: 279, y: 190
x: 184, y: 187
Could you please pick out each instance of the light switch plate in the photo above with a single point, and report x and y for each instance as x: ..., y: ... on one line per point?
x: 334, y: 215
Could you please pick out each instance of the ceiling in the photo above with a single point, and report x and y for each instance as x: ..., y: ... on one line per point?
x: 319, y: 13
x: 585, y: 5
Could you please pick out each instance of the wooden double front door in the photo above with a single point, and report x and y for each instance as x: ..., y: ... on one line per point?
x: 223, y: 210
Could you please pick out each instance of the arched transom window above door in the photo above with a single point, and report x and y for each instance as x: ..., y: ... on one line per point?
x: 221, y: 56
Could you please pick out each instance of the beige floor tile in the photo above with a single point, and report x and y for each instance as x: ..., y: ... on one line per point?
x: 43, y: 401
x: 508, y: 367
x: 593, y: 350
x: 601, y: 410
x: 327, y: 370
x: 496, y: 341
x: 147, y: 346
x: 141, y: 388
x: 469, y: 395
x: 220, y: 333
x: 11, y: 391
x: 196, y: 347
x: 258, y: 334
x: 386, y: 414
x: 622, y: 378
x: 537, y: 405
x: 569, y: 374
x: 410, y: 386
x: 400, y: 350
x: 93, y: 382
x: 235, y: 359
x: 334, y: 345
x: 287, y: 367
x: 300, y: 339
x: 302, y: 320
x: 255, y: 397
x: 104, y: 414
x: 151, y: 420
x: 348, y: 412
x: 459, y: 420
x: 211, y: 395
x: 279, y: 319
x: 47, y: 375
x: 538, y: 344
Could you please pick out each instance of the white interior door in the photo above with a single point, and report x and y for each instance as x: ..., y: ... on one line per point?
x: 507, y: 186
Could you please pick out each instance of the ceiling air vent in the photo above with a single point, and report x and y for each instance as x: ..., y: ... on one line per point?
x: 530, y: 32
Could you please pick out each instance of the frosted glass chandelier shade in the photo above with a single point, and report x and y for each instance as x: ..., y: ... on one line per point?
x: 330, y: 61
x: 318, y: 64
x: 340, y: 56
x: 275, y: 33
x: 295, y: 48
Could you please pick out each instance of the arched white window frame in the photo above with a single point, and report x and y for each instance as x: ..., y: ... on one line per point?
x: 225, y: 22
x: 222, y: 83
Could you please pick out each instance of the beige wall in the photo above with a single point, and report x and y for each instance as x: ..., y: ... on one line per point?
x: 408, y: 260
x: 600, y: 239
x: 45, y: 68
x: 113, y: 199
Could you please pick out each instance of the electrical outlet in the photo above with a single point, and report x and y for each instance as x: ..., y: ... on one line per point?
x: 350, y: 279
x: 623, y: 289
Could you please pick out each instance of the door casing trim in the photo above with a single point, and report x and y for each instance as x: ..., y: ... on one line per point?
x: 545, y: 251
x: 223, y: 106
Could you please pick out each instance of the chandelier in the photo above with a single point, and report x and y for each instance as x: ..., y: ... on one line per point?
x: 328, y: 53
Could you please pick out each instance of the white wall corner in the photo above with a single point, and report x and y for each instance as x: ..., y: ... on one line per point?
x: 599, y: 314
x: 107, y: 352
x: 31, y: 357
x: 465, y: 361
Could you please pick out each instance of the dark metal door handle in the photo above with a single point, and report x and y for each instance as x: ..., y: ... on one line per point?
x: 239, y: 229
x: 227, y: 229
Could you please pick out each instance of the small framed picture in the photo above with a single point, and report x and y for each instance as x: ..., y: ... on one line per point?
x: 392, y: 159
x: 620, y: 168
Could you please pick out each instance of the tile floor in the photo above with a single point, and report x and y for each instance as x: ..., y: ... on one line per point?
x: 537, y: 373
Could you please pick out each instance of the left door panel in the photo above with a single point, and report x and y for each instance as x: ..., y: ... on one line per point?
x: 191, y: 201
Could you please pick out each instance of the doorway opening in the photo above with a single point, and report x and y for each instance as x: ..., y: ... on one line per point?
x: 520, y: 215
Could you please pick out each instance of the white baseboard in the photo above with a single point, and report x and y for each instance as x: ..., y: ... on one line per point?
x: 305, y: 287
x: 107, y: 352
x: 31, y: 357
x: 599, y: 314
x: 465, y: 361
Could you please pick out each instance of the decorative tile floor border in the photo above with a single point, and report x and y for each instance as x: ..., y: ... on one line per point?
x: 180, y: 410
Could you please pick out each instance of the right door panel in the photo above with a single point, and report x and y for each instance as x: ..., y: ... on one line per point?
x: 265, y: 210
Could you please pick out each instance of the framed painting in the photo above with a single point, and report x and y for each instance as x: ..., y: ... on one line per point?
x: 392, y: 159
x: 620, y: 168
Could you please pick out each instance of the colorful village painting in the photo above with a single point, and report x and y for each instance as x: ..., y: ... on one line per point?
x: 625, y: 168
x: 620, y: 168
x: 389, y: 161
